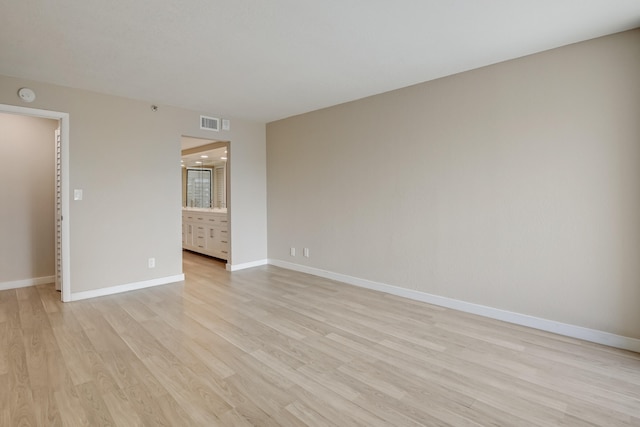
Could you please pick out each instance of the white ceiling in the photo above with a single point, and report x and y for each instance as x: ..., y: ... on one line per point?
x: 213, y: 156
x: 266, y: 60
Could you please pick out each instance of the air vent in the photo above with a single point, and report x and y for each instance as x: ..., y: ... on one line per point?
x: 209, y: 123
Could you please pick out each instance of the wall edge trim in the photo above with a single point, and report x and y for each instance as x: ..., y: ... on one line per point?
x: 564, y: 329
x: 35, y: 281
x: 242, y: 266
x: 111, y: 290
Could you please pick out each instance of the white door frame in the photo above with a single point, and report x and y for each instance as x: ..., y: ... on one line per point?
x: 64, y: 130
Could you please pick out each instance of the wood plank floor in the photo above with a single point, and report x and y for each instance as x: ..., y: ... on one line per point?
x: 271, y: 347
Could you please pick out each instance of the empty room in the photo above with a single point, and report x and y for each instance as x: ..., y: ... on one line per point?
x: 230, y: 213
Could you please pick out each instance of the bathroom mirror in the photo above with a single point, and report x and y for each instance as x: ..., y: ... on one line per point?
x: 199, y: 187
x: 204, y: 176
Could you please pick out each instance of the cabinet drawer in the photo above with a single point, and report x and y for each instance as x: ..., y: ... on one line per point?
x: 217, y: 220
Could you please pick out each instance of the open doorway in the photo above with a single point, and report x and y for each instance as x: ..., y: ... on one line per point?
x: 205, y: 198
x: 35, y: 195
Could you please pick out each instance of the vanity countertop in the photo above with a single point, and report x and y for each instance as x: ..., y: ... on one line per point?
x: 214, y: 210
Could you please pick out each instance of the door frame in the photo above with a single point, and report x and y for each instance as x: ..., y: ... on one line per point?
x: 63, y: 119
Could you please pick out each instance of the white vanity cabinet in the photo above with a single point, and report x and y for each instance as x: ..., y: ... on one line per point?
x: 206, y: 232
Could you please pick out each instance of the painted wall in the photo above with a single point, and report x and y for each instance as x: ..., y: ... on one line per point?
x: 27, y: 181
x: 126, y: 158
x: 515, y: 186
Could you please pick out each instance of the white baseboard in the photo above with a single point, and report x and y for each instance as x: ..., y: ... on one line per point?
x: 236, y: 267
x: 573, y: 331
x: 76, y: 296
x: 27, y: 282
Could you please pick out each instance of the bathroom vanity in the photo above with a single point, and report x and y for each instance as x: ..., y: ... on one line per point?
x: 206, y: 231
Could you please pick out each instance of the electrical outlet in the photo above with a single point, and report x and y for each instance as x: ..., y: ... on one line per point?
x: 152, y: 263
x: 292, y: 251
x: 305, y: 252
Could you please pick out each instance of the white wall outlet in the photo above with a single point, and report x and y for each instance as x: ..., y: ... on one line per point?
x: 292, y: 251
x: 305, y: 252
x: 152, y: 263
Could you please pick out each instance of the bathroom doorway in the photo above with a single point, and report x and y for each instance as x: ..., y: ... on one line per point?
x: 41, y: 252
x: 206, y: 198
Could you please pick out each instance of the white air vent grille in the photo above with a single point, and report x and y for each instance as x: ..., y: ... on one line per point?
x: 209, y: 123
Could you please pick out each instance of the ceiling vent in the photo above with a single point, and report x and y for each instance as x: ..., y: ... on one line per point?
x: 209, y: 123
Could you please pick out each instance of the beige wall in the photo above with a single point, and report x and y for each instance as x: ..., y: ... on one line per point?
x: 27, y: 179
x: 515, y: 186
x: 126, y: 158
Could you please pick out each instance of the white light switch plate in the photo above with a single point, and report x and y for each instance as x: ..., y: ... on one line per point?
x: 77, y: 194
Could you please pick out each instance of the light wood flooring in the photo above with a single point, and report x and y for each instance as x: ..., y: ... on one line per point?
x: 271, y: 347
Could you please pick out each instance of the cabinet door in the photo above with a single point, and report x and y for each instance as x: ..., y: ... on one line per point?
x: 211, y: 236
x: 188, y: 235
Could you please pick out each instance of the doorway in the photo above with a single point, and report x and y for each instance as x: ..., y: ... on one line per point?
x: 206, y: 208
x: 61, y: 190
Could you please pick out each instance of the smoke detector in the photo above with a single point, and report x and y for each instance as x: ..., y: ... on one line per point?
x: 26, y: 94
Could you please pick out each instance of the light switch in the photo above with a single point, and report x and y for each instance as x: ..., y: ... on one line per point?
x: 77, y: 194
